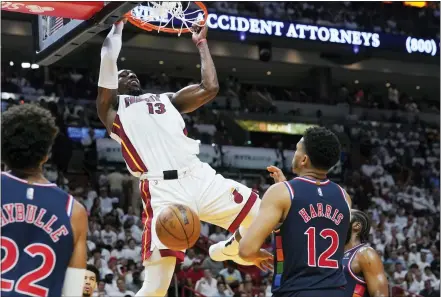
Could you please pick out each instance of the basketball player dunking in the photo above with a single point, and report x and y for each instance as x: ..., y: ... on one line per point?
x: 314, y: 214
x: 44, y: 229
x: 155, y: 147
x: 363, y: 268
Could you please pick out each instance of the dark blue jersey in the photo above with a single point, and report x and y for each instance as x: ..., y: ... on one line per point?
x: 356, y: 286
x: 37, y: 238
x: 310, y: 243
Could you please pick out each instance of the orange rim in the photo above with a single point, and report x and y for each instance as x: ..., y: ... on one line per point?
x: 150, y: 27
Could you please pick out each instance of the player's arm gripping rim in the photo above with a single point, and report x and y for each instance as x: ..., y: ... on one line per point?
x: 373, y: 272
x: 192, y: 97
x: 274, y: 208
x: 108, y: 77
x: 74, y: 279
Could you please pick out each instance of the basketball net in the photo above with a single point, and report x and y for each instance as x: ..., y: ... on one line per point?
x: 169, y: 17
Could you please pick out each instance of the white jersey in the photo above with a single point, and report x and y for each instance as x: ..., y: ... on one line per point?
x: 152, y: 134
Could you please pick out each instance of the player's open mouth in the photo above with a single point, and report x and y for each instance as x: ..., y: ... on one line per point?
x: 134, y: 82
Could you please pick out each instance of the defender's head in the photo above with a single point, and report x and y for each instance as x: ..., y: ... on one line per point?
x: 28, y: 135
x: 128, y: 83
x: 90, y: 280
x: 318, y: 150
x: 360, y: 226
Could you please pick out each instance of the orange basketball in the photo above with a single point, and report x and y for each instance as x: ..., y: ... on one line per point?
x: 178, y: 227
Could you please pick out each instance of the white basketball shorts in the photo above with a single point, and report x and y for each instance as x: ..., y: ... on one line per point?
x: 215, y: 199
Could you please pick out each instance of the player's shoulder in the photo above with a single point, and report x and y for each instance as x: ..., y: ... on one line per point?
x: 367, y: 251
x: 79, y: 211
x: 10, y: 180
x: 280, y: 192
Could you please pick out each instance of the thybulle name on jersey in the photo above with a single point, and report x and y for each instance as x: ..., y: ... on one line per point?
x: 321, y: 211
x: 32, y: 214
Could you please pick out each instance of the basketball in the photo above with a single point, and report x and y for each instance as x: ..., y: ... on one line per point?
x: 178, y: 227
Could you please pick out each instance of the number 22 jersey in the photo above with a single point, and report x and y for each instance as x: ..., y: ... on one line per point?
x: 37, y: 238
x: 309, y: 245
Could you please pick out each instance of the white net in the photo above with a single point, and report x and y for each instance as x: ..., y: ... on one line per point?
x: 175, y: 15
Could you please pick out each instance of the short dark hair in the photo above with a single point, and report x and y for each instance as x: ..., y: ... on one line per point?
x: 363, y: 219
x: 322, y: 147
x: 28, y: 134
x: 95, y: 270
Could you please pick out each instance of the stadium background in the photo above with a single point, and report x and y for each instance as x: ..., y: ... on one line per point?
x: 382, y: 100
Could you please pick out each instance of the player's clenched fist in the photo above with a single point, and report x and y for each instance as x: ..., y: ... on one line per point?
x: 199, y: 33
x: 276, y: 173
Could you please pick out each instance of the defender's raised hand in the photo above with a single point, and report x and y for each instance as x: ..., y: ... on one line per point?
x: 276, y: 173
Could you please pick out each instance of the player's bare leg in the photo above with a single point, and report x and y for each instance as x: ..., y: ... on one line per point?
x: 158, y: 275
x: 229, y: 248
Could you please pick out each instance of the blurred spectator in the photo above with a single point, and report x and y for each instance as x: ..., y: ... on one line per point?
x: 132, y: 252
x: 231, y: 274
x: 189, y: 258
x: 207, y: 285
x: 429, y: 290
x: 223, y: 290
x: 108, y: 236
x: 218, y: 235
x: 121, y: 289
x: 106, y: 202
x: 116, y: 180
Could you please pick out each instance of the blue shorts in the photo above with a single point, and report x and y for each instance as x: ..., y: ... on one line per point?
x: 314, y: 293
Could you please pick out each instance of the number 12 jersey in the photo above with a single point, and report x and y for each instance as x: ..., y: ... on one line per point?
x: 309, y: 245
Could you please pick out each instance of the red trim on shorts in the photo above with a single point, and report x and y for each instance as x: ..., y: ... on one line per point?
x: 169, y: 253
x: 147, y: 216
x: 243, y: 213
x: 185, y: 131
x: 129, y: 152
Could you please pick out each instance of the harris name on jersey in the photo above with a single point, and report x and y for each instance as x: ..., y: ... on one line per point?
x: 32, y: 214
x: 336, y: 217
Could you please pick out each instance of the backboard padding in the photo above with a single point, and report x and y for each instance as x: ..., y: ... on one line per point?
x: 73, y: 33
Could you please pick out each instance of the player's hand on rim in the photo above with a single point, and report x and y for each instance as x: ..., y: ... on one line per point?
x: 264, y: 260
x: 199, y: 33
x: 276, y: 173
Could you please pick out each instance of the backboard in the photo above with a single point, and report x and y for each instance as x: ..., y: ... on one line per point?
x: 61, y: 27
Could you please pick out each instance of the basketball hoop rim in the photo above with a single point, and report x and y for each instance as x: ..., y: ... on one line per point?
x: 151, y: 27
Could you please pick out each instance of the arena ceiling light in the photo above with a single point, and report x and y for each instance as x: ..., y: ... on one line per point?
x: 198, y: 66
x: 356, y: 82
x: 268, y: 73
x: 387, y: 85
x: 11, y: 63
x: 161, y: 62
x: 35, y: 66
x: 25, y: 65
x: 417, y: 87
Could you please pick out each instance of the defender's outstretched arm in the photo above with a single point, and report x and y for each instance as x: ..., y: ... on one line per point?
x: 192, y: 97
x: 108, y: 78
